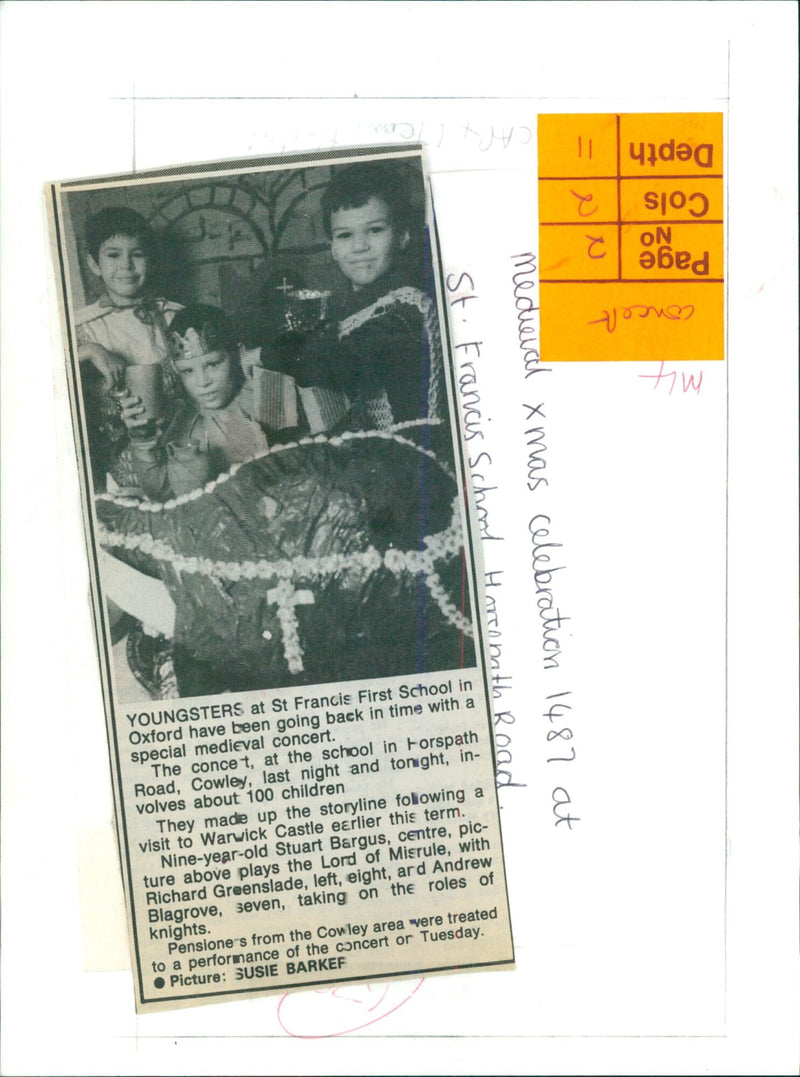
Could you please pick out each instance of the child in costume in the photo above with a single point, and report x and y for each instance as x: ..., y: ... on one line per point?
x: 381, y: 347
x: 212, y: 428
x: 125, y: 327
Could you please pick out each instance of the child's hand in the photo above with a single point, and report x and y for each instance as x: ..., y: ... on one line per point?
x: 132, y: 410
x: 109, y: 365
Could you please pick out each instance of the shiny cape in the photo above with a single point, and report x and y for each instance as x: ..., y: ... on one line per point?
x: 326, y: 560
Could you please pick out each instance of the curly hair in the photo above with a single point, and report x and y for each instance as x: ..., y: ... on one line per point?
x: 118, y: 221
x: 353, y: 185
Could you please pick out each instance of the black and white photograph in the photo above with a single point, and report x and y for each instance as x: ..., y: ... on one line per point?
x: 264, y: 412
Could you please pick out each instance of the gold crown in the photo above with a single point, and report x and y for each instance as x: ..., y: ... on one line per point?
x: 193, y: 343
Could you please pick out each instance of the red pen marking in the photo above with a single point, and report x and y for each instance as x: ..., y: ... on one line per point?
x: 674, y: 312
x: 344, y: 1009
x: 581, y: 199
x: 593, y: 241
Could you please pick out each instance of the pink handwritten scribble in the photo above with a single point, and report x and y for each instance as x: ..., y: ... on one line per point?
x: 686, y: 382
x: 315, y: 1015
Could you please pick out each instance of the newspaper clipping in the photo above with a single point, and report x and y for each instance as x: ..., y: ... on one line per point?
x: 285, y: 588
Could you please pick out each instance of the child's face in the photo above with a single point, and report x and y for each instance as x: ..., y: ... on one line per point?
x: 122, y: 265
x: 364, y: 242
x: 208, y: 379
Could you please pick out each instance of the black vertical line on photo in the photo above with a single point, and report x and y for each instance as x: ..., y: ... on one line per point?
x: 464, y: 480
x: 98, y: 606
x: 424, y: 491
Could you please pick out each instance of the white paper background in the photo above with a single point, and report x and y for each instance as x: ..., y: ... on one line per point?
x: 621, y: 926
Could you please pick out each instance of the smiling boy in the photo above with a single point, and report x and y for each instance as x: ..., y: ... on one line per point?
x: 365, y: 240
x: 125, y: 327
x: 388, y: 356
x: 382, y: 347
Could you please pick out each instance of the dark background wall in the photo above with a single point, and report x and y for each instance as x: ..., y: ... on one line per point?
x: 236, y: 242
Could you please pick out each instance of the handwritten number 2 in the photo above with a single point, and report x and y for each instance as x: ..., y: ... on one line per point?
x: 593, y: 241
x: 583, y: 200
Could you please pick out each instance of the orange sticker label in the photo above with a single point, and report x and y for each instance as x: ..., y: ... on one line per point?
x: 631, y: 237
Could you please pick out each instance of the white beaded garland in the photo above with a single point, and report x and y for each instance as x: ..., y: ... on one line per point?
x: 438, y: 547
x: 319, y: 439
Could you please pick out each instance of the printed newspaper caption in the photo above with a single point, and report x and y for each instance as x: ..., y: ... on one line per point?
x: 297, y: 837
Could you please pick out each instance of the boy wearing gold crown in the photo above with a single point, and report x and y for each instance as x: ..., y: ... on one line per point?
x: 212, y: 429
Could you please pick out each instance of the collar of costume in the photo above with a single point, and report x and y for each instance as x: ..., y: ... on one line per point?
x: 407, y: 295
x: 146, y: 309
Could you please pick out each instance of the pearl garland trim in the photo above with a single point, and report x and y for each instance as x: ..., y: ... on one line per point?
x: 440, y: 546
x: 390, y: 434
x: 415, y: 298
x: 412, y: 296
